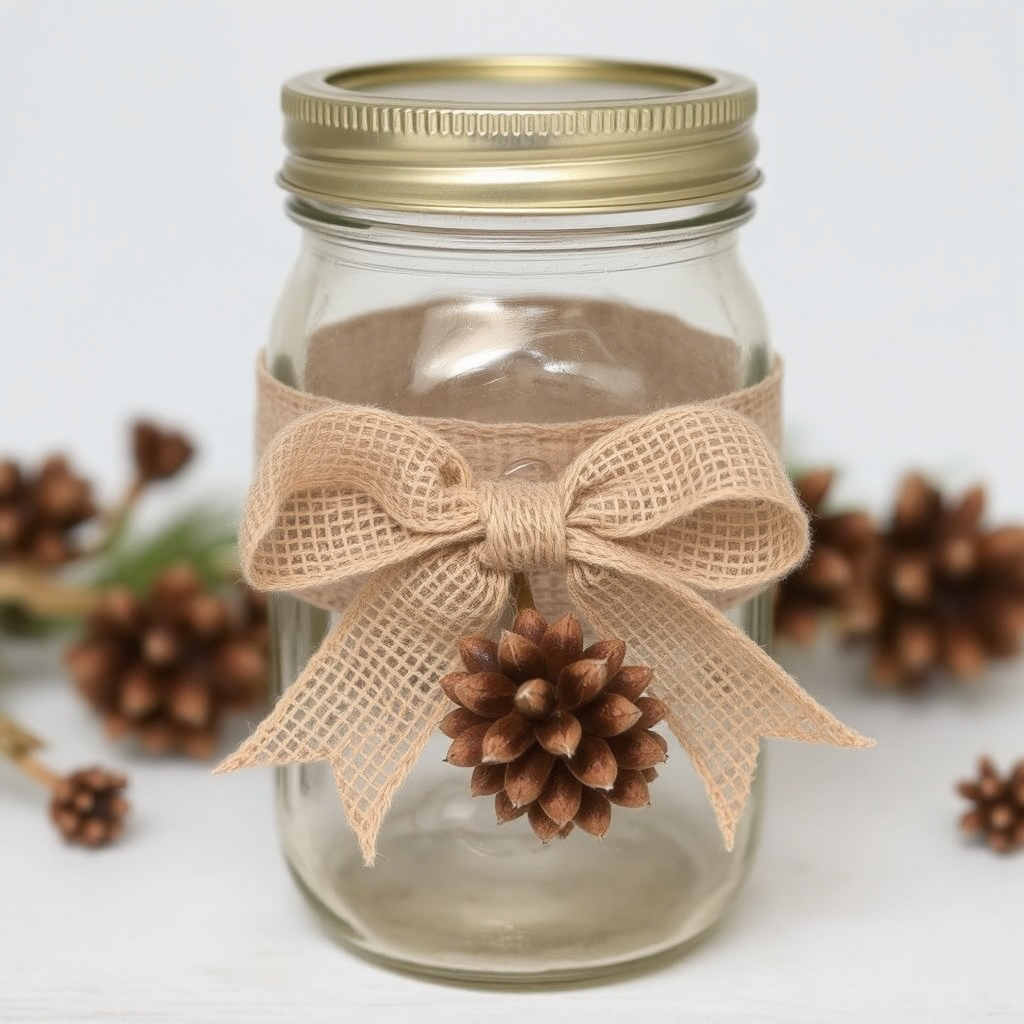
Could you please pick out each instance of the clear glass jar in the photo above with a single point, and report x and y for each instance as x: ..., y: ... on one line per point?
x: 514, y: 314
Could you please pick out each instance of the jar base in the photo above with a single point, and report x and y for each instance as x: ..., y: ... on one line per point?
x: 338, y: 931
x: 455, y: 897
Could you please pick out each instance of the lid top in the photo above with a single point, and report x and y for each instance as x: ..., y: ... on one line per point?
x: 519, y: 135
x: 513, y: 82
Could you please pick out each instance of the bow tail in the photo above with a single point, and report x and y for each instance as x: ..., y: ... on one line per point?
x: 368, y: 699
x: 723, y: 691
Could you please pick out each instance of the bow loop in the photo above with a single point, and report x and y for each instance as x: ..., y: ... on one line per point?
x: 669, y: 465
x: 696, y: 492
x: 336, y: 496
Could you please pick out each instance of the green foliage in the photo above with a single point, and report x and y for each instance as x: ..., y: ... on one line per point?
x: 203, y: 537
x: 16, y: 621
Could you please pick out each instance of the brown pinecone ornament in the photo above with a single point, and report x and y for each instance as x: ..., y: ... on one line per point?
x: 158, y: 454
x: 837, y: 576
x: 166, y: 667
x: 952, y: 593
x: 553, y: 731
x: 39, y: 512
x: 998, y: 812
x: 88, y: 807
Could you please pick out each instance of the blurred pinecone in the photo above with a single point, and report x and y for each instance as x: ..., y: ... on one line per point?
x: 88, y: 807
x: 551, y: 730
x: 998, y: 812
x: 166, y: 667
x: 39, y: 512
x: 838, y: 575
x: 951, y: 592
x: 158, y: 454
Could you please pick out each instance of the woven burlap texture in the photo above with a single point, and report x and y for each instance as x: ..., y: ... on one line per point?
x: 657, y: 523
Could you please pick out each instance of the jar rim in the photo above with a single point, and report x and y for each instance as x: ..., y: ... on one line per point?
x: 519, y: 134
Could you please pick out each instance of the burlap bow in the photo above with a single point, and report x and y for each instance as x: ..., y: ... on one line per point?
x: 657, y: 525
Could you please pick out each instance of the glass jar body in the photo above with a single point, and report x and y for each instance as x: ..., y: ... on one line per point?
x: 522, y: 321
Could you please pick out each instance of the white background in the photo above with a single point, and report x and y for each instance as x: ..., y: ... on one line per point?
x: 142, y: 246
x: 142, y: 243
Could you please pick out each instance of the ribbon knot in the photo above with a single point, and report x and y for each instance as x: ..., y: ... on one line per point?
x: 524, y: 524
x: 657, y: 525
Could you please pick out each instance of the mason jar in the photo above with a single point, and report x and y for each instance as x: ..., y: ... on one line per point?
x: 526, y: 240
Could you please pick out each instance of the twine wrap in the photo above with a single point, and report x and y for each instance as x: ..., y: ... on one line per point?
x: 524, y: 526
x: 658, y: 523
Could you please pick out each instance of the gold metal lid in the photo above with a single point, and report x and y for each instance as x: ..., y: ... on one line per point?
x: 507, y: 135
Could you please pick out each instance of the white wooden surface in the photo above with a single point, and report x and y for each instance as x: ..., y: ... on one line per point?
x: 865, y: 906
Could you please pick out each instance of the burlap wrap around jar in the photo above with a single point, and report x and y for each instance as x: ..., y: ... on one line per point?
x: 518, y: 407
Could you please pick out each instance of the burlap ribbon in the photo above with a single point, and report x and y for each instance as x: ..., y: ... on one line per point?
x: 657, y: 524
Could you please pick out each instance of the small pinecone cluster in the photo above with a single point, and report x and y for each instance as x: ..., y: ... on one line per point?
x: 998, y: 812
x: 951, y: 592
x: 89, y: 808
x: 931, y: 591
x: 167, y: 667
x: 553, y: 731
x: 158, y: 454
x: 40, y: 512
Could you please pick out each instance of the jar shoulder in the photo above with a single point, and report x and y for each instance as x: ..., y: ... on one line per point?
x: 526, y: 346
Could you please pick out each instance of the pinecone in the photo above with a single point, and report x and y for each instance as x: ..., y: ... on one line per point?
x: 158, y: 454
x: 952, y: 594
x: 998, y: 814
x: 168, y: 666
x: 40, y: 512
x: 553, y: 731
x: 89, y: 806
x: 837, y: 576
